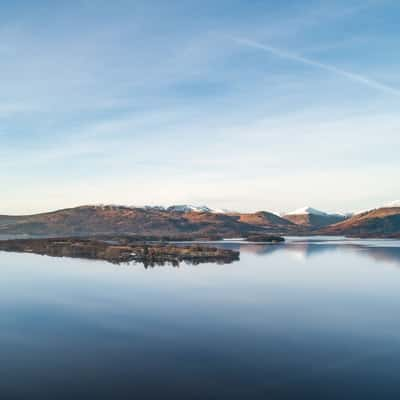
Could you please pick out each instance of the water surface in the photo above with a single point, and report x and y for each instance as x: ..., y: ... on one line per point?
x: 312, y: 319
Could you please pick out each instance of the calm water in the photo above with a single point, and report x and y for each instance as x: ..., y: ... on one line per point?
x: 309, y: 319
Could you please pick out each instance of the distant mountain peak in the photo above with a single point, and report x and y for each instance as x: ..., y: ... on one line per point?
x: 189, y: 208
x: 392, y: 204
x: 306, y: 211
x: 101, y: 206
x: 186, y: 208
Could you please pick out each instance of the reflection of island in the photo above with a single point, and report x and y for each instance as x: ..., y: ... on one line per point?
x: 121, y: 251
x: 125, y: 249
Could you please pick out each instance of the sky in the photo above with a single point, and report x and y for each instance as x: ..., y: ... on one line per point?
x: 243, y: 105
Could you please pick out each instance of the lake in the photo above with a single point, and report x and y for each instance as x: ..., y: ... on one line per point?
x: 313, y: 318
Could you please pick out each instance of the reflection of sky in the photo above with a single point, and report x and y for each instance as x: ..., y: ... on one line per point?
x: 266, y: 324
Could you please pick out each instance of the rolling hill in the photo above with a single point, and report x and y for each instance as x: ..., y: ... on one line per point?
x: 380, y: 222
x: 93, y: 220
x: 267, y: 220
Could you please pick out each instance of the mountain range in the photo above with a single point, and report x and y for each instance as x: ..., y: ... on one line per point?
x: 180, y: 220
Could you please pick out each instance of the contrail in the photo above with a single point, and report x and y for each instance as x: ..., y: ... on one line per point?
x: 338, y: 71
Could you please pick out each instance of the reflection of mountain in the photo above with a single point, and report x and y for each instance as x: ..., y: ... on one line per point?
x: 304, y: 250
x: 385, y: 254
x: 377, y: 253
x: 256, y: 248
x: 308, y: 250
x: 260, y: 249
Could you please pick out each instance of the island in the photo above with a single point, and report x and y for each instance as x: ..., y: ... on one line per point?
x: 262, y: 238
x: 121, y: 250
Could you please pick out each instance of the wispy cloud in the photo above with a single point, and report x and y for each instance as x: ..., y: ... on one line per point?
x: 98, y: 99
x: 364, y: 80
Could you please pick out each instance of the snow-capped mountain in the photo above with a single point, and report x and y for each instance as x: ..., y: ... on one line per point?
x: 383, y: 221
x: 306, y: 211
x: 191, y: 208
x: 156, y: 208
x: 311, y: 217
x: 392, y: 204
x: 185, y: 208
x: 313, y: 211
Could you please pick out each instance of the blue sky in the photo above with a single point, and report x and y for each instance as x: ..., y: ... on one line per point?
x: 235, y: 104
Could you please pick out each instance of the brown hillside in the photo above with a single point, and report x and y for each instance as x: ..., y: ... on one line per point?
x: 123, y: 220
x: 265, y: 219
x: 379, y: 222
x: 313, y: 221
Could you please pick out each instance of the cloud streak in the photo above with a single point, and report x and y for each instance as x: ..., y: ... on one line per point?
x: 327, y: 67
